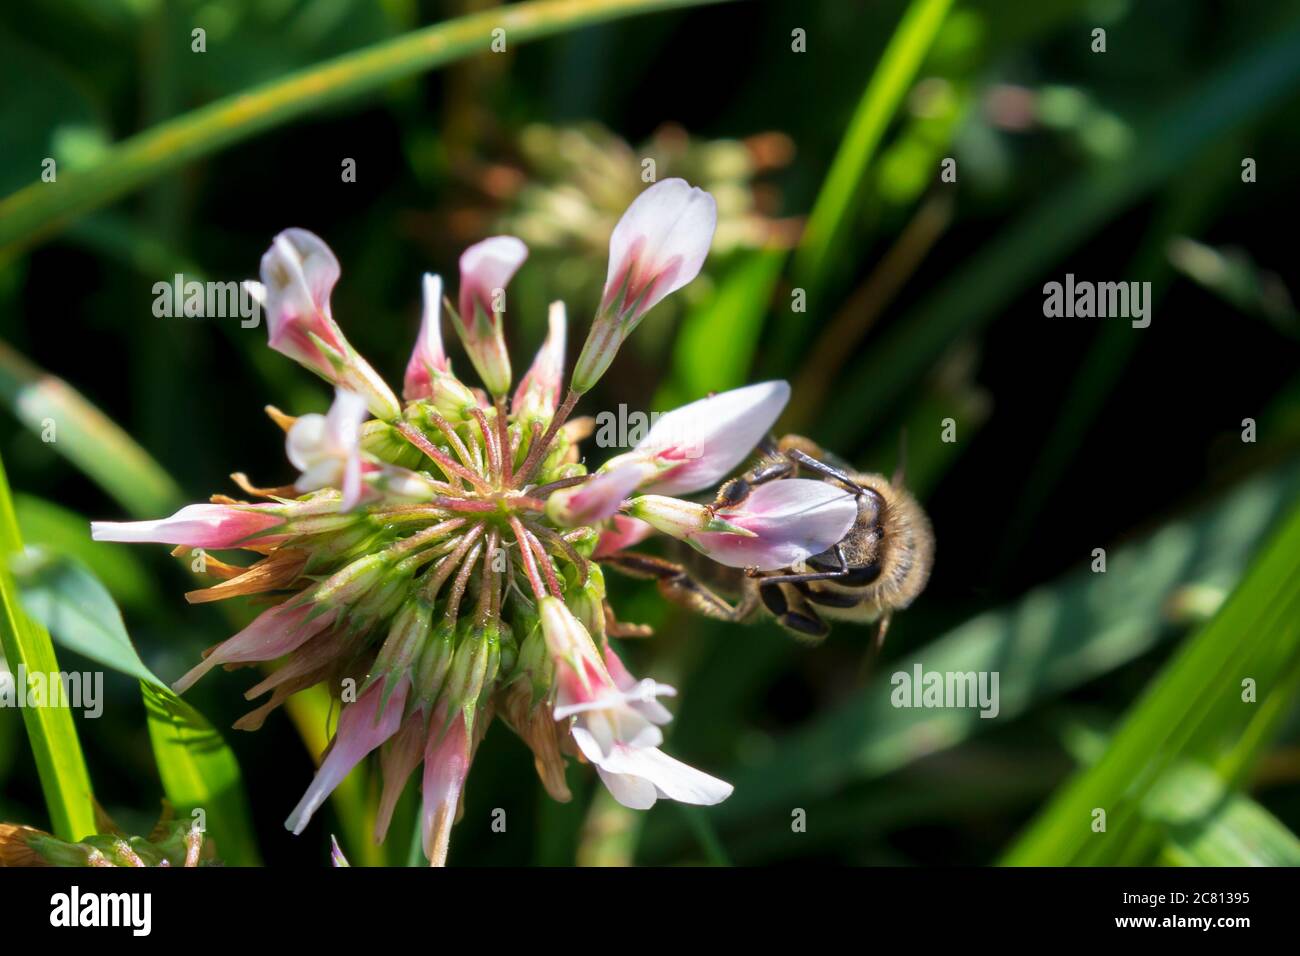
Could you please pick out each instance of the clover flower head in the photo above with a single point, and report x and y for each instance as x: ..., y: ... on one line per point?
x: 436, y: 563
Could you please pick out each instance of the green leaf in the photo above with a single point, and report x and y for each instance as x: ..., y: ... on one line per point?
x: 53, y: 735
x: 41, y: 208
x: 198, y: 769
x: 1195, y: 710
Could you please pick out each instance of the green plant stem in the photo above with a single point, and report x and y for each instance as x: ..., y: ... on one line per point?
x: 53, y: 735
x: 41, y: 208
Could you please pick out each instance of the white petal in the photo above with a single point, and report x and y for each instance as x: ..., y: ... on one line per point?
x: 635, y: 793
x: 487, y: 266
x: 667, y: 230
x: 305, y: 440
x: 672, y: 778
x: 429, y: 351
x: 792, y: 519
x: 713, y: 435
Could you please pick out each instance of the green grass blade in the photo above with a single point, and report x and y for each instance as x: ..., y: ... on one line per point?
x: 715, y: 346
x: 53, y: 735
x: 1192, y: 707
x: 839, y: 197
x: 198, y: 769
x: 41, y: 207
x: 1230, y: 98
x: 1208, y: 825
x: 86, y: 437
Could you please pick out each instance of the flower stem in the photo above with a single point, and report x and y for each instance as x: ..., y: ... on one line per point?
x: 537, y: 453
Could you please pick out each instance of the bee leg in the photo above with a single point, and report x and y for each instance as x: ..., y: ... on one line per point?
x: 802, y: 576
x: 733, y: 492
x: 677, y: 585
x: 792, y: 611
x: 616, y: 628
x: 881, y: 627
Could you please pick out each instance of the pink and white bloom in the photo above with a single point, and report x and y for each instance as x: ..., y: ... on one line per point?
x: 538, y: 393
x: 615, y: 719
x: 447, y: 757
x: 486, y: 268
x: 658, y: 246
x: 686, y: 450
x: 299, y: 272
x: 275, y: 632
x: 363, y: 726
x: 789, y: 521
x: 623, y: 532
x: 196, y: 526
x: 326, y: 449
x: 428, y: 356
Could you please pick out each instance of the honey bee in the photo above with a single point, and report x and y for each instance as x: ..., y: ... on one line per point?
x: 877, y: 569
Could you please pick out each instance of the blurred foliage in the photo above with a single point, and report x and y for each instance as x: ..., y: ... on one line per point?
x: 921, y: 304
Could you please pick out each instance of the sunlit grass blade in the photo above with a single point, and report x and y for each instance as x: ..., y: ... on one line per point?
x: 1056, y: 637
x: 43, y: 207
x: 53, y: 736
x: 1206, y: 824
x: 197, y: 768
x: 839, y: 197
x: 85, y: 436
x: 1196, y: 709
x: 987, y: 282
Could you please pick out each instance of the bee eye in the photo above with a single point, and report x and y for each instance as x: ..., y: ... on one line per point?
x: 860, y: 575
x: 826, y: 561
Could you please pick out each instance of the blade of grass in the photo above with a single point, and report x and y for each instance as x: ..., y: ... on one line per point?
x: 1190, y: 709
x: 197, y: 768
x: 715, y: 346
x: 1208, y: 825
x: 86, y: 437
x: 41, y: 208
x: 1230, y: 98
x: 53, y: 735
x: 839, y: 197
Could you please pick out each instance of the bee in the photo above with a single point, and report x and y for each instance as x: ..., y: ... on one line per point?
x: 877, y: 569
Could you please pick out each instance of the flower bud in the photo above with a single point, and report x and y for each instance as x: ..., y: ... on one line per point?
x: 658, y: 246
x: 434, y: 662
x: 407, y: 636
x: 350, y: 584
x: 538, y: 393
x: 485, y: 270
x: 298, y: 274
x: 681, y: 519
